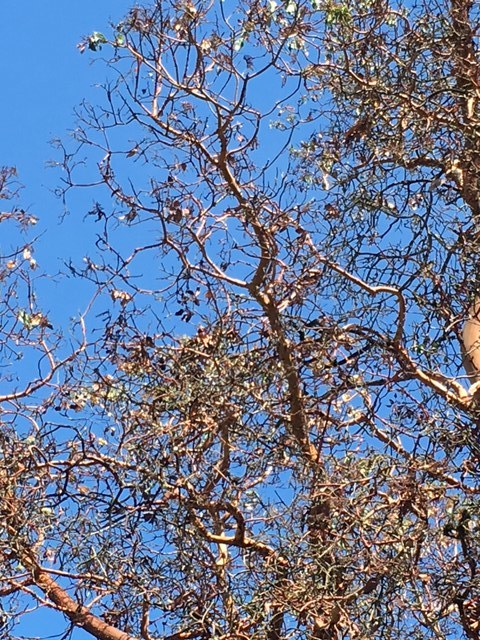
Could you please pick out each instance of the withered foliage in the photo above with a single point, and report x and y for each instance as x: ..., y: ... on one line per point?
x: 261, y: 427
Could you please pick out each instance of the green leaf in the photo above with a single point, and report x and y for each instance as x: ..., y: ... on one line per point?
x: 238, y: 44
x: 338, y: 14
x: 98, y: 37
x: 96, y: 40
x: 25, y: 318
x: 291, y: 7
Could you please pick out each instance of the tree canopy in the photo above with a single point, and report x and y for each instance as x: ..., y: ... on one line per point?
x: 261, y: 427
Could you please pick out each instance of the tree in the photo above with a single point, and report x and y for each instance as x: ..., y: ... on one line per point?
x: 263, y: 428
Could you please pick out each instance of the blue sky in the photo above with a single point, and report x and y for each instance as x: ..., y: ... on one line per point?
x: 43, y: 78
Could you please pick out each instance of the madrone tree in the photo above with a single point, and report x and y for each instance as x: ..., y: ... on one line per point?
x: 263, y: 428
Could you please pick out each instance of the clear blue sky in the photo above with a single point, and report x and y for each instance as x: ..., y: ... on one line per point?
x: 43, y: 78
